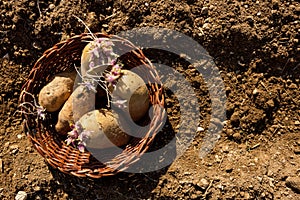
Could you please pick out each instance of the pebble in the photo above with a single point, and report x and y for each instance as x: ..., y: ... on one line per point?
x: 51, y: 6
x: 235, y: 119
x: 203, y: 184
x: 13, y: 146
x: 14, y: 151
x: 200, y: 129
x: 37, y: 188
x: 255, y: 91
x: 237, y: 136
x: 19, y: 136
x: 229, y: 132
x: 206, y: 26
x: 270, y: 103
x: 293, y: 183
x: 22, y: 195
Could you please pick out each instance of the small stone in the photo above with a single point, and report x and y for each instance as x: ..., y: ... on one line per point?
x: 65, y: 197
x: 200, y: 129
x: 229, y: 132
x: 255, y: 91
x: 293, y: 183
x: 246, y: 195
x: 297, y: 123
x: 37, y: 188
x: 206, y: 26
x: 203, y: 184
x: 225, y: 149
x: 14, y: 151
x: 19, y: 136
x: 235, y: 119
x: 13, y: 146
x: 51, y: 6
x: 187, y: 173
x: 21, y: 195
x: 237, y: 136
x: 270, y: 103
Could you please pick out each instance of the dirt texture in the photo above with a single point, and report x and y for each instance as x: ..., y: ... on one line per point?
x: 255, y: 45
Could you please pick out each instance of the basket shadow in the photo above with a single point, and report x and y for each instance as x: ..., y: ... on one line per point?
x: 123, y: 185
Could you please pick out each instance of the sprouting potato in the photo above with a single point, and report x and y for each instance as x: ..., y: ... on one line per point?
x: 88, y: 56
x: 55, y: 93
x: 105, y: 129
x: 132, y: 88
x: 81, y: 101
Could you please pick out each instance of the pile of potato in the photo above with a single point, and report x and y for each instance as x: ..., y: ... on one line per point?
x: 76, y: 103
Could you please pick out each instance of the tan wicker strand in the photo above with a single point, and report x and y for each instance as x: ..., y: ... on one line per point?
x: 62, y: 57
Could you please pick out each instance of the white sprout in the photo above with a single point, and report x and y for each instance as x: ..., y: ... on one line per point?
x: 32, y: 108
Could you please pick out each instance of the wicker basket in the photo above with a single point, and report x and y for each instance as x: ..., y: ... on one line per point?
x: 62, y: 57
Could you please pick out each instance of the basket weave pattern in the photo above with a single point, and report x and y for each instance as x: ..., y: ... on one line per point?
x: 62, y: 57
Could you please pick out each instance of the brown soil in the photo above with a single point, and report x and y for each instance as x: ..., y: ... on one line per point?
x: 255, y: 45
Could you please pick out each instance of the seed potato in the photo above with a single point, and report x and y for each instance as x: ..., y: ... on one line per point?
x: 105, y: 129
x: 131, y: 87
x: 87, y: 58
x: 55, y: 93
x: 80, y: 102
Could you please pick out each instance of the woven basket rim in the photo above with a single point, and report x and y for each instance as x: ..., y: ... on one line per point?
x: 50, y: 146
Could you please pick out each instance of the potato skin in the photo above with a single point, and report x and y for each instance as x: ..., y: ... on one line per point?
x: 132, y: 88
x: 86, y: 59
x: 55, y: 93
x: 105, y: 129
x: 80, y: 102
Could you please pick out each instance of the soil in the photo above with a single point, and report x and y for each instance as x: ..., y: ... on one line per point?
x: 255, y: 45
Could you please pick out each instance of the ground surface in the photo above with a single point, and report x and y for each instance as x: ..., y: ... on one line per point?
x: 255, y: 45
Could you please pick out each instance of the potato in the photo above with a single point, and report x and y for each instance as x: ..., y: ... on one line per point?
x: 132, y: 88
x: 87, y: 58
x: 80, y: 102
x: 55, y: 93
x: 105, y: 129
